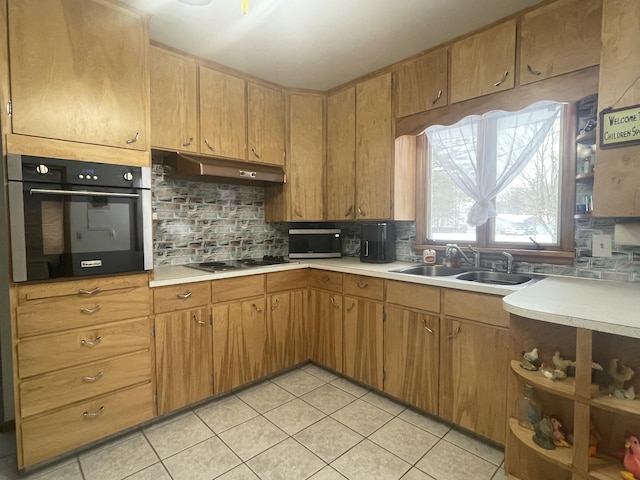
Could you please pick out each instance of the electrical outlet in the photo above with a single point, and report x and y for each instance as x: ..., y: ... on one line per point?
x: 601, y: 246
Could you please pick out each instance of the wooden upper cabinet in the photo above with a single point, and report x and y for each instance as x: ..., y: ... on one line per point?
x: 174, y: 104
x: 374, y: 148
x: 558, y: 38
x: 223, y: 116
x: 422, y: 83
x: 341, y: 155
x: 79, y: 72
x: 483, y: 63
x: 265, y: 126
x: 616, y: 180
x: 305, y: 163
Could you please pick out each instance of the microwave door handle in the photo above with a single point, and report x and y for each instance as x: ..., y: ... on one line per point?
x: 45, y: 191
x: 366, y: 248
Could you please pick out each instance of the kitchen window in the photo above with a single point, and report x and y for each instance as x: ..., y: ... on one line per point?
x: 498, y: 181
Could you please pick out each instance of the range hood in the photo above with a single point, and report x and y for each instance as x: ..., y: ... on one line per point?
x: 191, y: 166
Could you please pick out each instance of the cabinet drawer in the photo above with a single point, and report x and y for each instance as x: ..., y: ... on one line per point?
x: 49, y: 435
x: 64, y: 313
x: 180, y: 297
x: 422, y: 297
x: 79, y: 383
x: 476, y: 306
x: 363, y: 286
x: 289, y: 280
x: 236, y: 288
x: 52, y: 352
x: 83, y: 287
x: 326, y: 280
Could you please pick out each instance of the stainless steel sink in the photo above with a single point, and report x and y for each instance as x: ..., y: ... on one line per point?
x: 495, y: 278
x: 430, y: 270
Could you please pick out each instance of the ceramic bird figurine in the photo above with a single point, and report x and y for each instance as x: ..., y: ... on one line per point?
x: 560, y: 363
x: 553, y: 374
x: 631, y: 458
x: 530, y: 360
x: 544, y: 434
x: 558, y: 436
x: 620, y: 374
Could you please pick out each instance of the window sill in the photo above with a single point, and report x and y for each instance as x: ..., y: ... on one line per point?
x: 557, y: 257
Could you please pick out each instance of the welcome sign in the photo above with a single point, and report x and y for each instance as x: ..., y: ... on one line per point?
x: 620, y: 127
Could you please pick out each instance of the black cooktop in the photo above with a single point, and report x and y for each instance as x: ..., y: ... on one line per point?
x: 243, y: 264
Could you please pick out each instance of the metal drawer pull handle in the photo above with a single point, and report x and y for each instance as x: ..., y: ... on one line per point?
x: 206, y: 142
x: 504, y: 77
x: 424, y: 325
x: 89, y: 311
x: 82, y: 291
x: 276, y: 304
x: 325, y: 278
x: 90, y: 343
x: 199, y: 322
x: 532, y: 71
x: 361, y: 212
x: 134, y: 139
x: 455, y: 333
x: 363, y: 284
x: 254, y: 152
x: 95, y: 378
x: 258, y: 309
x: 94, y: 414
x: 437, y: 98
x: 184, y: 296
x: 188, y: 143
x: 333, y: 302
x: 351, y: 307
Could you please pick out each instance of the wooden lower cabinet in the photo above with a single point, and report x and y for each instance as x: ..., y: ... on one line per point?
x: 239, y: 343
x: 362, y: 342
x: 473, y: 376
x: 183, y: 358
x: 411, y: 357
x: 286, y: 329
x: 326, y: 330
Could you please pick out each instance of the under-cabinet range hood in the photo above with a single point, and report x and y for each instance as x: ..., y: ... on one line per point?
x: 196, y: 167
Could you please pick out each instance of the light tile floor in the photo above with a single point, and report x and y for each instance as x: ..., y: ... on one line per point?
x: 304, y: 424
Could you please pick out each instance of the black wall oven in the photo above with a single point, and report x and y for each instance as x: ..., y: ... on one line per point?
x: 72, y: 218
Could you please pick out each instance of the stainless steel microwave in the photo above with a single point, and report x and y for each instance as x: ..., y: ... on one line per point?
x: 315, y: 243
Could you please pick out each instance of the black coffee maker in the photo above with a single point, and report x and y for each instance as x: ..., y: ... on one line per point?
x: 378, y: 242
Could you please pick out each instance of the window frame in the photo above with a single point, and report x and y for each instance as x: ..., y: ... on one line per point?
x: 563, y: 253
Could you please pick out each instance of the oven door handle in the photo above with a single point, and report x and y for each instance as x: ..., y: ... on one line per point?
x: 82, y: 192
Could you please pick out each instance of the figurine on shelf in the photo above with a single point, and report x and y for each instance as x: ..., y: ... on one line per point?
x: 530, y: 360
x: 560, y: 363
x: 620, y: 374
x: 631, y: 459
x: 544, y: 434
x: 553, y: 374
x: 559, y: 438
x: 594, y: 439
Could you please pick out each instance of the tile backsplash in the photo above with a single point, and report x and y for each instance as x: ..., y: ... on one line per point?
x: 198, y: 221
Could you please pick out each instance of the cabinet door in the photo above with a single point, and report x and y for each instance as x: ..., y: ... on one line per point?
x: 286, y: 332
x: 223, y: 114
x: 616, y: 179
x: 341, y: 155
x: 422, y: 83
x: 239, y: 344
x: 374, y: 148
x: 173, y: 87
x: 326, y: 337
x: 183, y: 358
x: 560, y: 38
x: 362, y: 344
x: 305, y: 165
x: 483, y: 63
x: 411, y: 357
x: 265, y: 126
x: 79, y: 72
x: 473, y: 380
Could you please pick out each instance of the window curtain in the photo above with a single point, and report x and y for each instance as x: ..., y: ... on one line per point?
x: 483, y: 154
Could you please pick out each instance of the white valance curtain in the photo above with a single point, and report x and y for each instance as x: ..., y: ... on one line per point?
x: 483, y: 154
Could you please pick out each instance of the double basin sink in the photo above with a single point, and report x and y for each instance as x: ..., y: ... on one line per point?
x: 470, y: 275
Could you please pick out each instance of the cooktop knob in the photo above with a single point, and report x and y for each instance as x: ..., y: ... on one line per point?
x: 128, y: 176
x: 42, y: 169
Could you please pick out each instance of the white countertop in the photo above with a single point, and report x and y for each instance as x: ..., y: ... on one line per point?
x: 174, y: 275
x: 603, y: 306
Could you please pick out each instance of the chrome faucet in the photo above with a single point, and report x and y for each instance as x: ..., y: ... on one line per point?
x: 450, y: 253
x: 476, y: 256
x: 509, y: 261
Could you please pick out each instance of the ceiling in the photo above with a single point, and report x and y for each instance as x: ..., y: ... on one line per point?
x: 316, y: 44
